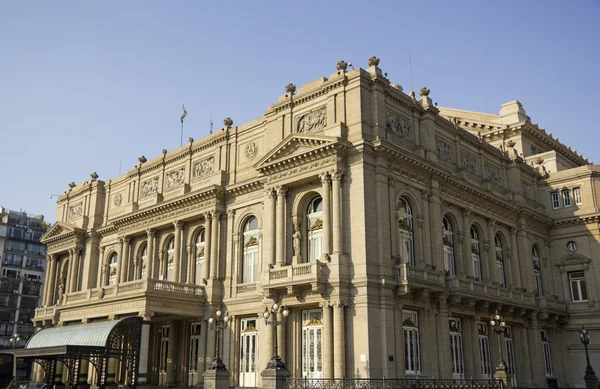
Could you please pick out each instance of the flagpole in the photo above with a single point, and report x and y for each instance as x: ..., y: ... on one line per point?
x: 181, y: 133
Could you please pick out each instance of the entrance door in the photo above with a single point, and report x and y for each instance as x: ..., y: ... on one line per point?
x: 164, y: 354
x: 456, y: 348
x: 312, y: 344
x: 248, y: 352
x: 193, y: 376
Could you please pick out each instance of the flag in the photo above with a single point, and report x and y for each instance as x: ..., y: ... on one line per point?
x: 183, y: 113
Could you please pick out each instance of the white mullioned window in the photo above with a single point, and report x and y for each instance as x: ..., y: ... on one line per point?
x: 412, y: 352
x: 456, y: 349
x: 194, y: 350
x: 537, y: 271
x: 200, y: 246
x: 250, y: 270
x: 484, y: 350
x: 170, y: 274
x: 448, y: 240
x: 500, y: 261
x: 566, y: 196
x: 113, y: 265
x: 547, y: 358
x: 476, y: 254
x: 144, y: 264
x: 577, y: 196
x: 405, y: 232
x: 315, y: 229
x: 554, y: 199
x: 578, y: 287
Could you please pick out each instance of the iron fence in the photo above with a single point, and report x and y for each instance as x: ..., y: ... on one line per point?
x: 390, y: 383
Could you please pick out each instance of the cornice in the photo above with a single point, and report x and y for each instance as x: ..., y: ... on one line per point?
x: 591, y: 219
x: 404, y: 100
x: 245, y: 187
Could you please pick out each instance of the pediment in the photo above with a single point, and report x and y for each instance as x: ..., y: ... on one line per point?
x: 574, y: 261
x: 60, y: 229
x: 298, y: 147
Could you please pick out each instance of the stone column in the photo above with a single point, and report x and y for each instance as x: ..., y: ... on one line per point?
x: 47, y: 280
x: 493, y: 267
x: 214, y: 246
x: 336, y: 194
x: 178, y: 226
x: 124, y: 259
x: 467, y: 253
x: 144, y: 345
x: 443, y: 341
x: 426, y: 233
x: 281, y: 335
x: 525, y: 263
x: 473, y: 339
x: 70, y: 271
x: 150, y: 266
x: 121, y: 260
x: 280, y: 243
x: 75, y: 277
x: 485, y: 262
x: 211, y: 345
x: 207, y: 245
x: 327, y: 340
x: 202, y: 346
x: 269, y: 228
x: 325, y: 180
x: 339, y: 355
x: 508, y: 265
x: 399, y: 341
x: 191, y: 264
x: 538, y: 368
x: 435, y: 225
x: 52, y: 281
x: 172, y: 355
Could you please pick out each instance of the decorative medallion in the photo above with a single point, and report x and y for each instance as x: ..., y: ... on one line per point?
x: 118, y: 199
x: 399, y: 125
x: 175, y: 178
x: 312, y: 121
x: 76, y: 211
x: 204, y: 167
x: 493, y: 174
x: 444, y: 150
x: 251, y: 150
x: 469, y: 162
x: 149, y: 187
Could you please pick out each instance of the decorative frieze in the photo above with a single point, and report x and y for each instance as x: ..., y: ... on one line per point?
x: 399, y: 125
x: 204, y: 167
x: 493, y: 174
x: 175, y: 178
x: 149, y: 187
x: 251, y: 150
x: 312, y: 122
x: 76, y: 211
x: 469, y: 162
x: 444, y: 150
x: 303, y: 168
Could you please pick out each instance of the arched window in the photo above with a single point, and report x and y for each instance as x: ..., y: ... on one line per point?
x: 170, y: 275
x: 200, y: 241
x: 476, y: 254
x: 405, y: 232
x: 537, y: 270
x: 500, y: 261
x: 144, y: 261
x: 250, y: 270
x: 315, y: 229
x: 448, y: 239
x: 113, y: 265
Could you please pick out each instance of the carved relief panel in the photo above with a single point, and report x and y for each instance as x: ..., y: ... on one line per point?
x: 76, y: 211
x: 399, y: 125
x: 203, y: 167
x: 175, y: 178
x: 445, y: 150
x: 312, y: 121
x: 469, y: 162
x: 492, y: 173
x: 149, y: 187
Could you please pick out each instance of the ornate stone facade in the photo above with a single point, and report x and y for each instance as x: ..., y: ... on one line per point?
x: 338, y: 222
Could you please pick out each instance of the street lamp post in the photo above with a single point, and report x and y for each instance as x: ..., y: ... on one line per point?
x: 499, y: 327
x: 218, y: 325
x: 14, y: 341
x: 275, y: 362
x: 591, y: 381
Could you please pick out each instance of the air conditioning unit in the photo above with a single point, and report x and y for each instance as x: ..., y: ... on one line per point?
x: 16, y: 291
x: 20, y: 322
x: 5, y: 262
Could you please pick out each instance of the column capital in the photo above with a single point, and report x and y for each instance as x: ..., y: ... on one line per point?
x: 271, y: 193
x: 230, y: 213
x: 146, y: 315
x: 339, y: 303
x: 425, y: 195
x: 127, y: 239
x: 336, y: 174
x: 513, y: 231
x: 486, y: 245
x: 216, y: 214
x: 492, y: 223
x: 281, y: 191
x: 324, y: 176
x: 392, y: 182
x: 207, y: 216
x: 466, y: 212
x: 325, y: 304
x: 178, y: 225
x: 151, y: 232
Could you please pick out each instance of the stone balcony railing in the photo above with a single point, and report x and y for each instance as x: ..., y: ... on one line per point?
x: 309, y: 274
x: 491, y: 292
x: 411, y: 277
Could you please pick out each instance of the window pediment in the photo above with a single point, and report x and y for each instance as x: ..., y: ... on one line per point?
x: 60, y: 230
x: 573, y: 262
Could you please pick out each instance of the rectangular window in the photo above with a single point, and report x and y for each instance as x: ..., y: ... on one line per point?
x: 547, y: 360
x: 15, y: 246
x: 555, y: 202
x: 566, y: 196
x: 36, y: 249
x: 578, y: 288
x: 577, y: 196
x: 456, y: 349
x: 412, y: 354
x: 14, y: 232
x: 484, y: 351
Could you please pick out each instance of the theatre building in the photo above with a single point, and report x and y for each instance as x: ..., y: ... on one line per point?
x: 390, y: 230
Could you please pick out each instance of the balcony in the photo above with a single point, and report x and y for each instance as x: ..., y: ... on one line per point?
x: 134, y: 296
x: 410, y: 278
x: 295, y: 277
x: 475, y: 290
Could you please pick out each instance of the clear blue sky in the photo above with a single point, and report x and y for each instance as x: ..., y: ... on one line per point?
x: 84, y: 84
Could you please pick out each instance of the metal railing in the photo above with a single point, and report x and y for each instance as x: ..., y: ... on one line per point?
x: 390, y: 383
